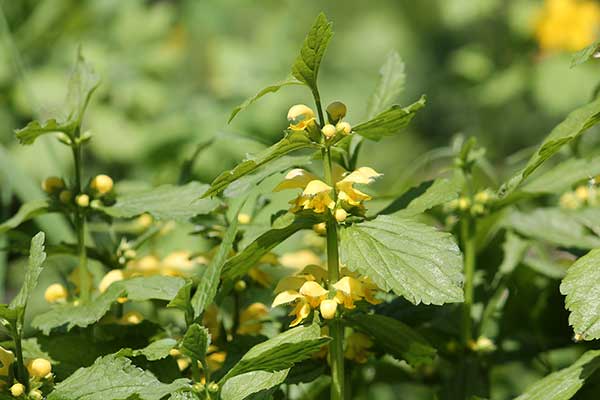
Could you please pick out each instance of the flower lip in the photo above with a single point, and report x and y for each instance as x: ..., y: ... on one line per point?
x: 316, y: 187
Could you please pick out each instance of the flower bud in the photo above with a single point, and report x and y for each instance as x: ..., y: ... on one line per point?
x: 482, y: 197
x: 340, y: 215
x: 102, y: 184
x: 344, y: 127
x: 328, y: 131
x: 39, y: 367
x: 582, y: 193
x: 336, y: 111
x: 132, y: 318
x: 183, y: 363
x: 17, y: 389
x: 213, y: 387
x: 110, y: 277
x: 300, y: 116
x: 328, y: 308
x: 82, y: 200
x: 35, y: 394
x: 243, y: 218
x: 464, y: 203
x: 65, y: 196
x: 52, y: 184
x: 55, y: 293
x: 240, y: 286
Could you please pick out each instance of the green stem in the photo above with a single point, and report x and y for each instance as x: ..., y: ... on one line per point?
x: 317, y: 97
x: 468, y: 240
x: 22, y: 376
x: 84, y: 278
x: 336, y: 329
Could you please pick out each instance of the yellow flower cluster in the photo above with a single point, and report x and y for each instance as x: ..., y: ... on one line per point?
x: 100, y: 186
x: 568, y: 24
x: 302, y: 118
x: 305, y: 292
x: 583, y: 195
x: 317, y: 196
x: 476, y: 206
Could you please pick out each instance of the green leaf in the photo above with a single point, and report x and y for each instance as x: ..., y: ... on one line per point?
x: 168, y: 202
x: 156, y: 350
x: 239, y: 264
x: 82, y: 85
x: 514, y: 248
x: 281, y: 351
x: 237, y: 388
x: 424, y: 197
x: 562, y: 177
x: 34, y: 268
x: 269, y: 89
x: 395, y: 338
x: 249, y: 182
x: 552, y: 225
x: 413, y: 259
x: 306, y: 66
x: 293, y: 140
x: 585, y: 54
x: 82, y: 315
x: 113, y: 377
x: 391, y: 83
x: 195, y: 343
x: 563, y: 384
x: 181, y: 300
x: 389, y: 122
x: 26, y: 212
x: 576, y: 123
x: 209, y: 278
x: 580, y: 285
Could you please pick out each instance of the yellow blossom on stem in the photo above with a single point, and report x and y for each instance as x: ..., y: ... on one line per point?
x: 300, y: 116
x: 250, y: 318
x: 328, y: 308
x: 357, y: 346
x: 348, y: 290
x: 102, y: 184
x: 55, y: 293
x: 346, y: 190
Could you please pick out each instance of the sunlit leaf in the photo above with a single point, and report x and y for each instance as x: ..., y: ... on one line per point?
x: 389, y: 122
x: 237, y: 388
x: 27, y: 211
x: 154, y: 351
x: 391, y: 83
x: 195, y: 343
x: 561, y: 178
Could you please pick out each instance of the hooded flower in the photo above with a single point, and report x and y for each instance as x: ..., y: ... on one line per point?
x: 300, y: 117
x: 346, y: 190
x: 316, y: 195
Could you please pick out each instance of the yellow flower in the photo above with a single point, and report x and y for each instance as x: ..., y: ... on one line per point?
x: 348, y: 290
x: 82, y: 200
x: 343, y: 127
x: 328, y: 308
x: 36, y: 394
x: 357, y: 345
x: 370, y: 289
x: 39, y: 367
x: 52, y: 184
x: 215, y: 359
x: 17, y: 389
x: 131, y: 318
x: 570, y: 201
x: 346, y: 190
x: 250, y: 318
x: 111, y: 277
x: 567, y: 24
x: 300, y: 116
x: 582, y: 192
x: 244, y: 218
x: 301, y: 309
x: 313, y: 292
x: 316, y: 194
x: 329, y: 131
x: 341, y: 215
x: 482, y: 197
x: 102, y: 184
x: 6, y: 359
x: 55, y: 293
x: 298, y: 259
x: 145, y: 266
x: 180, y: 263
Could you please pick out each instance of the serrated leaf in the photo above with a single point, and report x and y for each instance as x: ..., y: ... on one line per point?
x: 249, y: 182
x: 396, y: 338
x: 26, y: 212
x: 82, y: 315
x: 585, y: 54
x: 292, y: 141
x: 195, y: 343
x: 156, y: 350
x: 306, y: 66
x: 389, y: 122
x: 576, y: 123
x: 390, y: 84
x: 269, y: 89
x: 552, y: 225
x: 237, y: 388
x: 168, y: 202
x: 34, y: 268
x: 239, y: 264
x: 82, y: 84
x: 113, y: 377
x: 562, y: 177
x: 424, y: 197
x: 412, y: 259
x: 563, y: 384
x: 580, y: 285
x: 281, y: 351
x: 181, y: 300
x: 210, y: 276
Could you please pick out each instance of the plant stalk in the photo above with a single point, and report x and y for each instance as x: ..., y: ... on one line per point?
x: 21, y: 371
x: 84, y: 278
x: 468, y: 240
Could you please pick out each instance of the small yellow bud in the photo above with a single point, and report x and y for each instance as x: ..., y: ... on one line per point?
x: 478, y: 209
x: 240, y: 286
x: 320, y: 228
x: 102, y: 184
x: 52, y: 184
x: 329, y: 131
x: 95, y: 204
x: 65, y: 196
x: 36, y: 395
x: 17, y: 389
x: 482, y: 197
x: 82, y: 200
x: 582, y: 193
x: 243, y: 218
x: 132, y: 318
x: 55, y: 293
x: 343, y: 127
x: 39, y: 367
x: 174, y: 352
x: 145, y: 220
x: 183, y: 363
x: 300, y: 116
x: 328, y: 308
x: 464, y: 203
x: 341, y: 215
x: 213, y: 387
x: 336, y: 111
x: 578, y: 337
